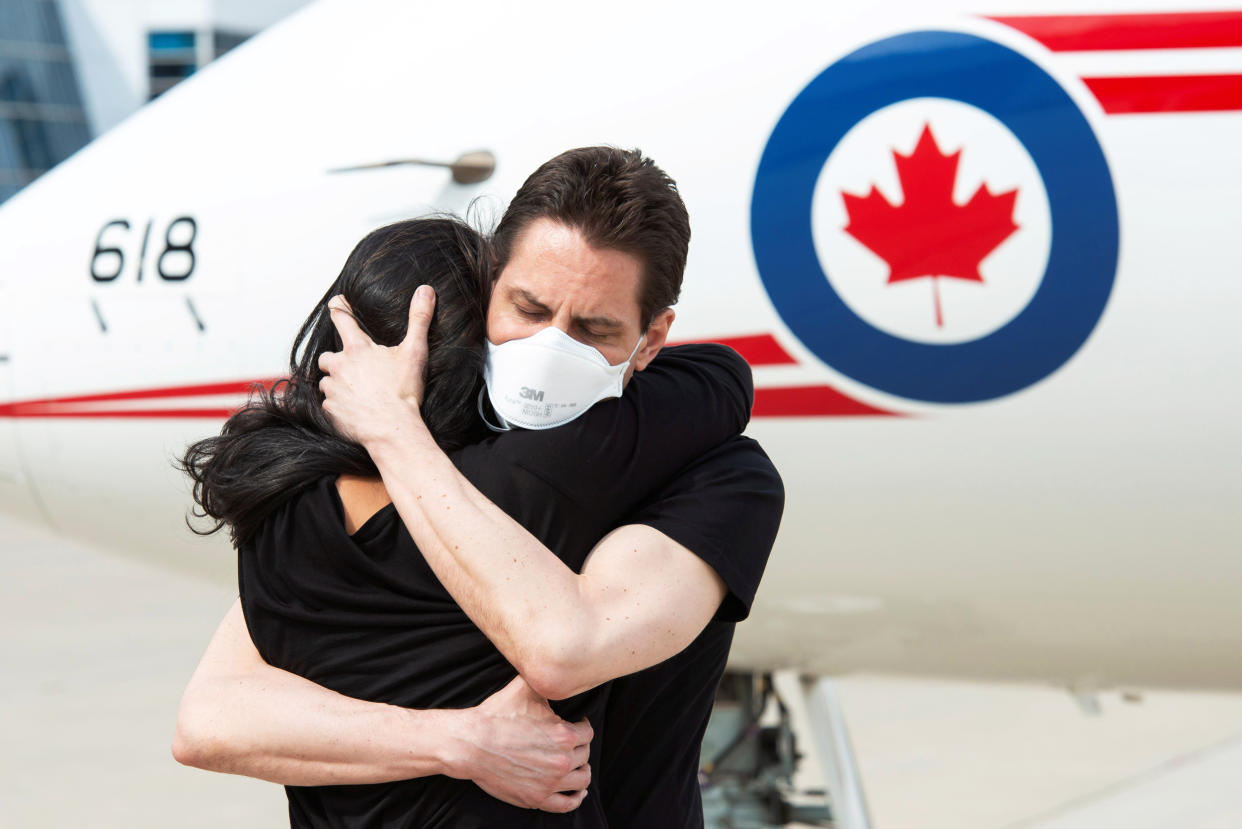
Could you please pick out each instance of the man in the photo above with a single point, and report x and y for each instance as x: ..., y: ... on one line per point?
x: 593, y: 246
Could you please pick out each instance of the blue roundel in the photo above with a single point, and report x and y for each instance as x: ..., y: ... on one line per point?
x: 1081, y: 262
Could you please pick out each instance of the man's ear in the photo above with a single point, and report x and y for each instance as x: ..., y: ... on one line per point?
x: 657, y: 334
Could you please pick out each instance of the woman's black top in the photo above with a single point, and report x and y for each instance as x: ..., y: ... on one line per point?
x: 364, y: 615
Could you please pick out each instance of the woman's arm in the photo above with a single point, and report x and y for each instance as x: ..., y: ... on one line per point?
x: 242, y: 716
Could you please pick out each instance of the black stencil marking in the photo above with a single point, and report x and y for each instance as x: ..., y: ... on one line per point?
x: 189, y: 303
x: 103, y: 326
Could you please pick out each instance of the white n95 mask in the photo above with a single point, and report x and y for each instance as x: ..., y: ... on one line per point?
x: 547, y: 379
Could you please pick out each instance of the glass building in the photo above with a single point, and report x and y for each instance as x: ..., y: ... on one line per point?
x: 42, y: 121
x: 174, y: 56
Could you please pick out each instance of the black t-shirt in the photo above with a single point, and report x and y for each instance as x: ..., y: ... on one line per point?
x: 365, y: 615
x: 726, y: 507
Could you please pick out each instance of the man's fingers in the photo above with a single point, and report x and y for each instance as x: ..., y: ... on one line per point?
x: 325, y: 388
x: 566, y: 736
x: 561, y: 803
x: 577, y: 779
x: 580, y: 755
x: 343, y: 318
x: 422, y: 307
x: 583, y: 733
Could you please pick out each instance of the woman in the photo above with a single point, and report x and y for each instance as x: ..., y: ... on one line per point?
x: 284, y: 432
x: 337, y: 592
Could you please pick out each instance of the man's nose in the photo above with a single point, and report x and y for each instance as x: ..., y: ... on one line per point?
x: 563, y: 320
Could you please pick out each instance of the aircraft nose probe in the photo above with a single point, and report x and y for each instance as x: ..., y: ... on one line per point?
x: 469, y: 168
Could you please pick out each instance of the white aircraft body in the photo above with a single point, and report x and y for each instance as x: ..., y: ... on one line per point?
x: 1001, y: 386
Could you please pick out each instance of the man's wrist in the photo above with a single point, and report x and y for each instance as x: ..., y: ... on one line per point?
x: 404, y: 423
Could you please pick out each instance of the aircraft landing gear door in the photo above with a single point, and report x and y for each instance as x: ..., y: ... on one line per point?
x: 15, y: 494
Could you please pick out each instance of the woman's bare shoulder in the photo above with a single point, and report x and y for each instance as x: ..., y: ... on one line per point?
x: 361, y: 497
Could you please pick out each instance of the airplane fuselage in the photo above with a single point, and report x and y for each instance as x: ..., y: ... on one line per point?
x: 986, y: 271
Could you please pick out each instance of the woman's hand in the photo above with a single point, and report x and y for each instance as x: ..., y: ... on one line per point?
x: 370, y: 390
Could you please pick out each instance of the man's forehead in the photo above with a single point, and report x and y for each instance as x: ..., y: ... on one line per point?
x: 552, y: 265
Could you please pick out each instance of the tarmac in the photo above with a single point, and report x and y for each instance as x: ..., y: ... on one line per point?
x: 97, y: 650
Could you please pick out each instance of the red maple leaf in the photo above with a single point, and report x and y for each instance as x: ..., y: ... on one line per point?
x: 929, y: 235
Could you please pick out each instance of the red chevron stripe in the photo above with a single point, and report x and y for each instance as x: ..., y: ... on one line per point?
x: 1173, y: 93
x: 1111, y: 32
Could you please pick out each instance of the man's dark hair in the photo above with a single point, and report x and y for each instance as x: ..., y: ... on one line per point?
x: 618, y: 200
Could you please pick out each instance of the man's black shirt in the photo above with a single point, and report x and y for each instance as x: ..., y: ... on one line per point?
x: 365, y: 615
x: 726, y: 507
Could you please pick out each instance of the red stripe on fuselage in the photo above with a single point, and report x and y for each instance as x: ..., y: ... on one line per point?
x: 18, y: 410
x: 1112, y: 32
x: 756, y: 349
x: 87, y: 405
x: 199, y: 390
x: 791, y: 401
x: 812, y: 401
x: 795, y: 401
x: 1170, y: 93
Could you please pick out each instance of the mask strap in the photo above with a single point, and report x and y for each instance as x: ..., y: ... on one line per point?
x: 503, y: 427
x: 630, y: 358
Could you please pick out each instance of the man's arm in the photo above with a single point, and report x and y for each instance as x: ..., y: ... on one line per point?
x: 640, y: 598
x: 242, y: 716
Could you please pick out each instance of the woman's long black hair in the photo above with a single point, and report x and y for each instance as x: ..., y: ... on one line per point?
x: 282, y: 442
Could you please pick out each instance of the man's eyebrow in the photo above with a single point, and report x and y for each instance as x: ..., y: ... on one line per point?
x: 527, y: 297
x: 598, y: 323
x: 606, y: 323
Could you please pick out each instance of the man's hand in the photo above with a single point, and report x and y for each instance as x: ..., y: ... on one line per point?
x: 369, y: 390
x: 519, y: 751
